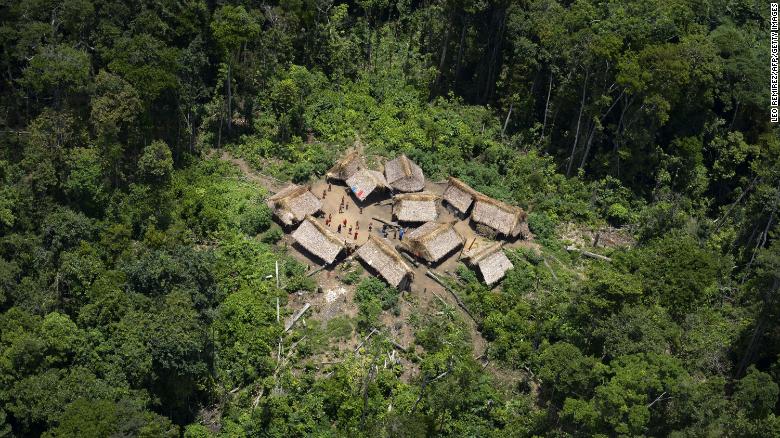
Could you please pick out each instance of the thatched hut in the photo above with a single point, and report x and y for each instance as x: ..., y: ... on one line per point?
x: 386, y: 261
x: 318, y: 240
x: 365, y: 181
x: 346, y: 166
x: 293, y: 203
x: 504, y: 218
x: 404, y: 175
x: 492, y: 262
x: 415, y: 207
x: 459, y: 195
x: 433, y: 241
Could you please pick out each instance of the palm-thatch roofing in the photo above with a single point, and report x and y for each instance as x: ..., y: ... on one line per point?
x: 346, y: 166
x: 365, y: 181
x: 318, y: 240
x: 382, y: 257
x: 293, y: 203
x: 492, y: 262
x: 404, y: 175
x: 459, y: 194
x: 415, y: 207
x: 497, y: 215
x: 432, y: 241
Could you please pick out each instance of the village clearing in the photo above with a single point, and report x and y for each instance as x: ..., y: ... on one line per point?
x: 333, y: 300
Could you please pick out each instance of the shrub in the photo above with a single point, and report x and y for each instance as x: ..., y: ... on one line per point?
x: 255, y: 219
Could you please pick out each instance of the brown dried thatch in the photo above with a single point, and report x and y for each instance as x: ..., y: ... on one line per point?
x: 365, y: 181
x: 293, y: 203
x: 433, y: 240
x: 404, y: 175
x: 497, y: 215
x: 382, y: 257
x: 459, y: 194
x: 318, y: 240
x: 415, y: 207
x: 492, y: 262
x: 346, y: 167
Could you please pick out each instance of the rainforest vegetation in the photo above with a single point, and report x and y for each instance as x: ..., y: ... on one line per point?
x: 135, y: 297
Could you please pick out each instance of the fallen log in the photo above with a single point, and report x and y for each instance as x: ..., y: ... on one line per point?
x: 592, y: 255
x: 315, y: 271
x: 297, y: 316
x: 386, y: 222
x: 410, y: 258
x: 457, y: 299
x: 373, y: 330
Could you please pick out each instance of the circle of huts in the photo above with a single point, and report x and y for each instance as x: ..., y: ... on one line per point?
x: 431, y: 241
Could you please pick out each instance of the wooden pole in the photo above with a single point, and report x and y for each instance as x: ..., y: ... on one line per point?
x: 277, y: 274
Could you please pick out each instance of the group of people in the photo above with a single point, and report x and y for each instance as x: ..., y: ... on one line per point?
x: 344, y: 224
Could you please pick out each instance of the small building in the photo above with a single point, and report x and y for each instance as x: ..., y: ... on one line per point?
x: 415, y: 207
x: 433, y: 241
x: 293, y: 203
x: 346, y: 167
x: 491, y: 262
x: 365, y: 181
x: 318, y: 240
x: 459, y: 195
x: 503, y: 218
x: 404, y: 175
x: 386, y: 261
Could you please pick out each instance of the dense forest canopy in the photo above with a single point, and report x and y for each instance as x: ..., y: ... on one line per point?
x: 134, y: 289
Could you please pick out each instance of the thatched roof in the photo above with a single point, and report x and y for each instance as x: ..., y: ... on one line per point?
x: 459, y: 194
x: 433, y: 240
x: 365, y: 181
x: 404, y: 175
x: 293, y: 203
x: 415, y: 207
x: 497, y: 215
x: 346, y: 166
x: 382, y: 257
x: 492, y: 263
x: 318, y: 240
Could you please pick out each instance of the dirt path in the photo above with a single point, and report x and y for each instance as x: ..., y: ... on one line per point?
x: 271, y: 184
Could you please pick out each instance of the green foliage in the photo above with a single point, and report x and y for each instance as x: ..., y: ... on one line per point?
x: 156, y: 162
x: 373, y: 296
x: 244, y: 334
x: 102, y: 418
x: 678, y: 273
x: 756, y: 394
x: 137, y: 289
x: 256, y: 218
x: 57, y: 69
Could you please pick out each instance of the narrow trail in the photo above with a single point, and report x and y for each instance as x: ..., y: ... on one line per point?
x: 269, y: 183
